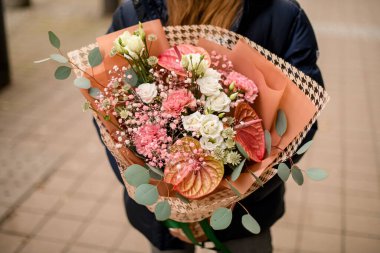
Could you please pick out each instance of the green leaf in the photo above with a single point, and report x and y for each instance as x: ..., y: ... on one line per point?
x: 237, y: 193
x: 237, y: 171
x: 131, y: 77
x: 221, y: 218
x: 258, y: 180
x: 94, y: 92
x: 162, y: 211
x: 268, y: 142
x: 182, y: 198
x: 146, y: 194
x: 283, y: 171
x: 82, y: 82
x: 59, y: 58
x: 136, y: 175
x: 62, y: 72
x: 95, y: 57
x: 297, y: 175
x: 250, y: 224
x: 281, y: 122
x: 156, y: 170
x: 304, y: 148
x: 316, y: 174
x: 242, y: 151
x: 54, y: 40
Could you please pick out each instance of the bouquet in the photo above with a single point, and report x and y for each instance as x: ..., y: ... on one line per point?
x: 196, y: 117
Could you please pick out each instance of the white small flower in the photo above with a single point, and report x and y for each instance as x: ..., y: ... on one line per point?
x: 124, y: 114
x: 220, y: 103
x: 211, y: 126
x: 194, y: 62
x: 129, y: 45
x: 233, y: 158
x: 147, y: 92
x: 210, y: 143
x: 230, y: 143
x: 192, y: 122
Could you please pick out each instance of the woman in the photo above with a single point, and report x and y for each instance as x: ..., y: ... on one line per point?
x: 280, y: 26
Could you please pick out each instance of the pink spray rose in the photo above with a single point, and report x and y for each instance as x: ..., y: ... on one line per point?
x: 177, y: 100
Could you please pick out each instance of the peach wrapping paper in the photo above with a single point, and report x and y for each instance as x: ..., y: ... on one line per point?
x: 276, y: 91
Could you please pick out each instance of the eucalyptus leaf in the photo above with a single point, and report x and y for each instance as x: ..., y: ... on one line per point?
x: 62, y: 72
x: 59, y: 58
x: 250, y: 224
x: 82, y: 82
x: 131, y: 77
x: 297, y: 175
x: 281, y: 122
x: 221, y: 218
x: 162, y: 210
x: 95, y: 57
x: 54, y: 40
x: 304, y: 148
x: 94, y: 92
x: 146, y: 194
x: 283, y: 171
x: 268, y: 142
x: 258, y: 180
x: 316, y: 174
x: 237, y: 171
x: 136, y: 175
x: 237, y: 193
x: 156, y: 170
x: 182, y: 198
x: 242, y: 151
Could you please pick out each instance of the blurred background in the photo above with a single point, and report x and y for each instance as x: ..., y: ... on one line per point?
x: 58, y: 194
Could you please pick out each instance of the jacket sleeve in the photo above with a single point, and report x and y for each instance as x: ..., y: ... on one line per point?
x: 302, y: 50
x: 124, y: 16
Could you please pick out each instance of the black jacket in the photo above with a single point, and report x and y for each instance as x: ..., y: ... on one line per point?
x: 280, y: 26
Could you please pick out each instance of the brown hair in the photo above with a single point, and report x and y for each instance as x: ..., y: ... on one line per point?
x: 195, y: 12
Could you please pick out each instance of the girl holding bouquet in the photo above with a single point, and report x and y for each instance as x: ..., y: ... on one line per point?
x: 280, y: 26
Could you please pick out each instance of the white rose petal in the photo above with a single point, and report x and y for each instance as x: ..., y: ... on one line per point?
x: 209, y: 86
x: 210, y: 143
x: 210, y: 72
x: 211, y: 126
x: 147, y: 92
x: 219, y: 103
x: 192, y: 122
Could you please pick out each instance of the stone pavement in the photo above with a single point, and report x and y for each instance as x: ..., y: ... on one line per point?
x: 57, y: 193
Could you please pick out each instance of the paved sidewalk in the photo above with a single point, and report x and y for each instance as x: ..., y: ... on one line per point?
x: 58, y: 194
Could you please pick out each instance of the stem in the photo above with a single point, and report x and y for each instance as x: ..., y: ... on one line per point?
x: 245, y: 209
x: 99, y: 114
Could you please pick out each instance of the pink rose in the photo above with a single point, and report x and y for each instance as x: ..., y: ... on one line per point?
x: 243, y: 83
x: 177, y: 100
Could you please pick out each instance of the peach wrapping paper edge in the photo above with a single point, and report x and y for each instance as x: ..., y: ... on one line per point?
x: 274, y: 85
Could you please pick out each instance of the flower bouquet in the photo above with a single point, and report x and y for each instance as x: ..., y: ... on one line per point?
x: 196, y: 117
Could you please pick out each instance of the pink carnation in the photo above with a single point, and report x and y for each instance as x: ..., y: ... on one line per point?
x: 149, y: 138
x: 177, y: 100
x: 243, y: 83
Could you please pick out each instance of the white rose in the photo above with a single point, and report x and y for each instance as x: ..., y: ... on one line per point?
x: 209, y: 86
x: 147, y: 92
x: 210, y: 143
x: 210, y: 72
x: 219, y: 103
x: 211, y: 126
x: 195, y: 62
x: 192, y: 122
x: 129, y: 44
